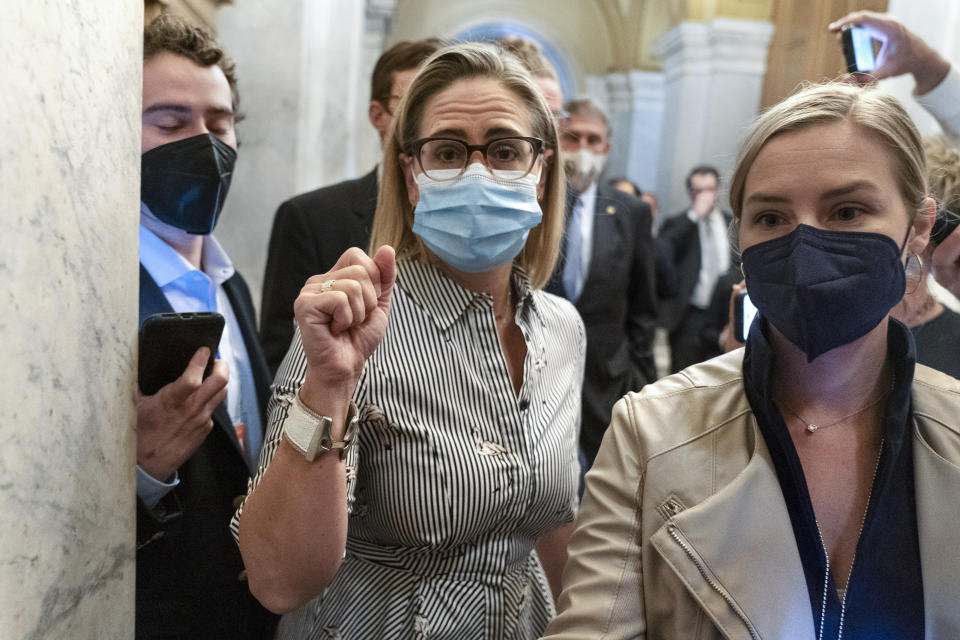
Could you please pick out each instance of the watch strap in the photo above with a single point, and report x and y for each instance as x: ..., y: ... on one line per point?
x: 309, y: 432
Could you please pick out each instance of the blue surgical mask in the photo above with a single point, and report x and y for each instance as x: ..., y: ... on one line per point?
x: 476, y: 222
x: 823, y: 289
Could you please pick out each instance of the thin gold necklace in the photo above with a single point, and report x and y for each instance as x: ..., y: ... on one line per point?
x: 813, y: 427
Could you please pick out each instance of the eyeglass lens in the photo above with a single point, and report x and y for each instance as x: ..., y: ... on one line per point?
x: 505, y: 157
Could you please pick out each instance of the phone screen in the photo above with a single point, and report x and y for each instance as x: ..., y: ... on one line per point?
x: 749, y: 313
x: 858, y: 49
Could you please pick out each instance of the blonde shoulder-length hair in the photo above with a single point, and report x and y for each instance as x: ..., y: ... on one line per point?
x: 393, y: 221
x: 831, y: 102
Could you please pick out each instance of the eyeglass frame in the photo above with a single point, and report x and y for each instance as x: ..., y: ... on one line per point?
x: 414, y: 148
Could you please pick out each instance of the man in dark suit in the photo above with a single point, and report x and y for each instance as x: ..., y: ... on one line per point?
x: 312, y: 230
x: 197, y: 439
x: 697, y: 245
x: 607, y: 271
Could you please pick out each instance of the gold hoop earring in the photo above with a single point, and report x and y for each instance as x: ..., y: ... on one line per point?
x: 742, y: 272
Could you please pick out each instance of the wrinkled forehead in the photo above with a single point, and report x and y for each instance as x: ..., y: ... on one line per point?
x: 475, y: 108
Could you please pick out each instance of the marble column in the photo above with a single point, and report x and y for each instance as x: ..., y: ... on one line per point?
x: 69, y: 193
x: 300, y: 68
x: 635, y: 101
x: 713, y: 78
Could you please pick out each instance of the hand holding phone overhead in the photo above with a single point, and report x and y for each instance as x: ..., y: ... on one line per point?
x: 900, y: 50
x: 858, y: 50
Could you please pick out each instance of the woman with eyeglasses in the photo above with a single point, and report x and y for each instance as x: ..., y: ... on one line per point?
x: 420, y: 473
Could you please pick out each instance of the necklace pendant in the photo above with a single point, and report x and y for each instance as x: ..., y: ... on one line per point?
x: 812, y: 427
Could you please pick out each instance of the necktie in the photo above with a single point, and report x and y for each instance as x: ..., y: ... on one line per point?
x: 709, y: 255
x: 573, y: 266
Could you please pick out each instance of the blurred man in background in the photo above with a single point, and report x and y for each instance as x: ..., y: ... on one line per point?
x: 311, y: 231
x: 607, y: 271
x: 696, y: 244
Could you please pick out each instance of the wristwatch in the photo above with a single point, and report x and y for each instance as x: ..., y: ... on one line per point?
x: 309, y: 432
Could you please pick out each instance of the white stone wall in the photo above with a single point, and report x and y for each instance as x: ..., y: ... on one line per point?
x: 713, y: 78
x: 304, y: 87
x: 69, y: 193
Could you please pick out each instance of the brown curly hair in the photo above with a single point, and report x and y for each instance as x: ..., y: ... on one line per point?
x: 175, y: 35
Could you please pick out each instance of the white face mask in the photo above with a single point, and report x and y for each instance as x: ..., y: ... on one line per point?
x: 583, y: 168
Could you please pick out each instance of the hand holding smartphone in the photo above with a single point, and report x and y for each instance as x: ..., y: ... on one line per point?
x: 169, y: 340
x: 858, y: 51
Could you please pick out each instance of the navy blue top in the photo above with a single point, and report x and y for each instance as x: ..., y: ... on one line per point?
x: 885, y: 591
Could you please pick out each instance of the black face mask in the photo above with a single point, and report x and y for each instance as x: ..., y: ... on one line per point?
x: 823, y: 289
x: 184, y: 183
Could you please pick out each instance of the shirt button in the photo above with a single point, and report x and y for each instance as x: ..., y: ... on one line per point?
x: 420, y: 625
x: 524, y: 404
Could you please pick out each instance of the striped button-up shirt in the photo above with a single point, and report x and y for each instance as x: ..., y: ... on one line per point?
x: 454, y: 475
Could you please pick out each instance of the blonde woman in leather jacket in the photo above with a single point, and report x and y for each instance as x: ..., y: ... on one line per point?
x: 801, y: 487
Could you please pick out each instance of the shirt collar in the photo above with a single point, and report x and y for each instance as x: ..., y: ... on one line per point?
x: 165, y: 264
x: 445, y: 300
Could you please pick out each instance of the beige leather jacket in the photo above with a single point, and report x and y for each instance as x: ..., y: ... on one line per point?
x: 683, y: 533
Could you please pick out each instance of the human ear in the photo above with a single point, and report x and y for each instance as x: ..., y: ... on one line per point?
x: 379, y: 117
x: 546, y: 166
x: 413, y: 191
x: 922, y: 224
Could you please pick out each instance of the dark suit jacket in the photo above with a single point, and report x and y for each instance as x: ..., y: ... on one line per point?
x: 679, y: 244
x: 618, y: 306
x: 310, y: 232
x: 190, y: 579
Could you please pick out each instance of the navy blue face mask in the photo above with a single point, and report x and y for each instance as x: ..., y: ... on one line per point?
x: 184, y: 183
x: 823, y: 289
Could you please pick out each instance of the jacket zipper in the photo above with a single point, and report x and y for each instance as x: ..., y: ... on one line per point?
x: 674, y: 533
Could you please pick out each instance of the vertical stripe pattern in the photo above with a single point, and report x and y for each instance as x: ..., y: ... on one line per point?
x: 454, y: 476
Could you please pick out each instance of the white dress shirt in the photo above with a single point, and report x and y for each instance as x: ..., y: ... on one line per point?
x: 943, y: 102
x: 712, y: 229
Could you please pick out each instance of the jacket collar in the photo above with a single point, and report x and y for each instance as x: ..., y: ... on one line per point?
x: 708, y: 543
x: 936, y: 459
x: 706, y: 546
x: 366, y: 188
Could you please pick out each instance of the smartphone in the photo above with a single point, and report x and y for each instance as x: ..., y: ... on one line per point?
x: 858, y: 49
x: 168, y: 342
x: 743, y: 314
x: 944, y: 225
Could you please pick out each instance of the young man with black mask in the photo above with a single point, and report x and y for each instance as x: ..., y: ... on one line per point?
x: 197, y: 439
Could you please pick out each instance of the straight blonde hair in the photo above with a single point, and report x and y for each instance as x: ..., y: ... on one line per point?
x: 393, y: 220
x: 832, y: 102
